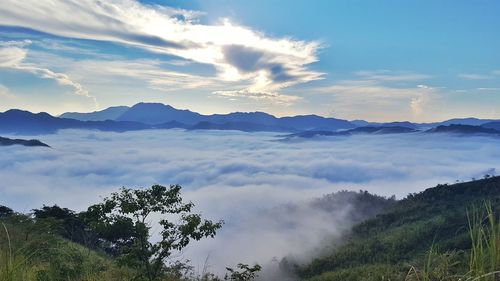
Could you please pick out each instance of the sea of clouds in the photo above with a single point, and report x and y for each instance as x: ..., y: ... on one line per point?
x: 240, y: 177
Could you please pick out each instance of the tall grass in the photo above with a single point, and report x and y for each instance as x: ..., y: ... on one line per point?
x: 13, y: 266
x: 481, y: 263
x: 45, y: 257
x: 484, y: 230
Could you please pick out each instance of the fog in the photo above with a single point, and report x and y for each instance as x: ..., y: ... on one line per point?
x: 247, y: 179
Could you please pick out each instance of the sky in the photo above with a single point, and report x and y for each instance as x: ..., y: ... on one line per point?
x: 374, y: 60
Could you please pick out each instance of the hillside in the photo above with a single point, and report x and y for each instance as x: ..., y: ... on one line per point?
x: 110, y: 113
x: 7, y: 142
x: 29, y: 251
x: 390, y: 244
x: 24, y: 122
x: 463, y: 129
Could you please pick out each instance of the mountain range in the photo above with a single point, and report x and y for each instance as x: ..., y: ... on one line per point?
x: 144, y: 116
x: 158, y: 114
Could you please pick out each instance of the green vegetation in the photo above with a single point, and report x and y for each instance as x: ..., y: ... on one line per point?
x: 449, y: 232
x: 110, y: 241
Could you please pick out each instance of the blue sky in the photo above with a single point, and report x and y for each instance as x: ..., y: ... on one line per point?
x: 375, y: 60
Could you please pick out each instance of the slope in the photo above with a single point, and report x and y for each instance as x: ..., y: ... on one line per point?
x: 390, y: 244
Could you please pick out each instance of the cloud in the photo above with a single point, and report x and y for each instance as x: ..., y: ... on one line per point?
x: 474, y: 76
x: 11, y: 56
x: 18, y: 44
x: 271, y: 97
x: 238, y: 177
x: 488, y: 89
x: 237, y: 52
x: 14, y: 57
x: 394, y: 76
x: 5, y: 93
x: 386, y: 101
x: 151, y: 72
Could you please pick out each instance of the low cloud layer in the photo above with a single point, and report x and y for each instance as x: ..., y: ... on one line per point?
x: 239, y: 177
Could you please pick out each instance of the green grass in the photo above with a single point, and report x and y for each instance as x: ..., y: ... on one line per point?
x: 30, y: 252
x: 427, y: 235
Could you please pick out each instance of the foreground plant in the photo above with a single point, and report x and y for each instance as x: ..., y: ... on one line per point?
x: 483, y: 259
x: 124, y: 220
x: 484, y: 262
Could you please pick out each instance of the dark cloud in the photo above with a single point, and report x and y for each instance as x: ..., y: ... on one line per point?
x: 248, y: 60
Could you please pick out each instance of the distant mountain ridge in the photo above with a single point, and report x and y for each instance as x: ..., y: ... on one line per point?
x: 463, y: 129
x: 383, y: 130
x: 110, y: 113
x: 16, y: 121
x: 374, y: 130
x: 156, y: 114
x: 144, y: 116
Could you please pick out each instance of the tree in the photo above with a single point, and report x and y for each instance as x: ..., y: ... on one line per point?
x: 5, y: 212
x: 243, y: 272
x: 65, y: 222
x: 123, y: 222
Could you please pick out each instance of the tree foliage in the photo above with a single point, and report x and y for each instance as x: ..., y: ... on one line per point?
x: 123, y: 222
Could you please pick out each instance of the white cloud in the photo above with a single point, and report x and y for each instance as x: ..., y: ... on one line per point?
x: 150, y: 71
x: 14, y: 58
x: 238, y: 53
x: 272, y: 97
x: 474, y: 76
x: 18, y: 44
x: 236, y: 176
x: 489, y: 89
x: 376, y: 99
x: 394, y: 76
x: 11, y: 56
x: 5, y: 93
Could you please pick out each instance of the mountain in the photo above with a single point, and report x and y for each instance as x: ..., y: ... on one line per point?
x: 430, y: 227
x: 407, y: 124
x: 492, y: 125
x: 463, y: 121
x: 24, y: 122
x: 463, y: 129
x: 110, y: 113
x: 310, y: 122
x: 248, y: 117
x: 158, y: 113
x: 382, y: 130
x: 7, y: 141
x: 161, y: 116
x: 360, y: 130
x: 456, y: 121
x: 172, y: 125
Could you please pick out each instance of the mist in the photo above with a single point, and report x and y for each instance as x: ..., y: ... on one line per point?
x: 261, y: 187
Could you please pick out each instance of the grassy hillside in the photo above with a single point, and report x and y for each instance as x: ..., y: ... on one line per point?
x: 423, y: 233
x: 30, y: 250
